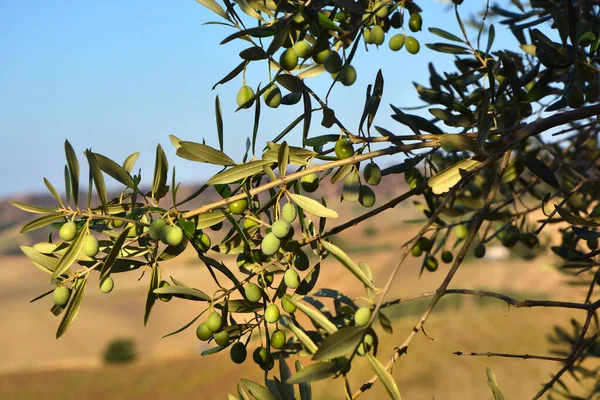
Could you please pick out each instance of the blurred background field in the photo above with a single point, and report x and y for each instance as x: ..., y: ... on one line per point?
x: 37, y: 366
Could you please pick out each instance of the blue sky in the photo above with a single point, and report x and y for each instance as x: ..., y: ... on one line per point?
x: 120, y: 76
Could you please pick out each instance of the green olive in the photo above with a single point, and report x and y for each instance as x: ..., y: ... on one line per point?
x: 381, y: 12
x: 155, y: 228
x: 347, y: 75
x: 221, y: 337
x: 203, y: 333
x: 309, y: 182
x: 214, y: 322
x: 107, y: 284
x: 61, y: 295
x: 479, y: 250
x: 238, y: 353
x: 90, y: 246
x: 272, y: 313
x: 238, y: 207
x: 289, y: 213
x: 68, y: 231
x: 252, y: 292
x: 164, y: 297
x: 280, y: 228
x: 291, y: 279
x: 431, y: 264
x: 272, y: 96
x: 366, y: 196
x: 461, y: 231
x: 377, y: 35
x: 343, y: 148
x: 362, y: 316
x: 244, y: 95
x: 333, y: 62
x: 287, y: 305
x: 397, y: 42
x: 270, y: 244
x: 302, y: 49
x: 412, y: 45
x: 415, y: 22
x: 447, y: 256
x: 262, y: 357
x: 301, y: 261
x: 372, y: 174
x: 288, y: 59
x: 172, y: 235
x: 278, y: 339
x: 204, y: 242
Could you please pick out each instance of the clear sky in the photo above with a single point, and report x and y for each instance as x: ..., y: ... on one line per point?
x: 120, y: 76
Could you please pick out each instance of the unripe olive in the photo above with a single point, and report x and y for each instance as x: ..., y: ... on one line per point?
x: 397, y: 42
x: 416, y: 250
x: 291, y: 279
x: 68, y: 231
x: 447, y: 256
x: 287, y: 305
x: 309, y: 182
x: 382, y: 12
x: 592, y: 244
x: 278, y: 339
x: 238, y: 353
x: 263, y: 358
x: 365, y: 345
x: 250, y: 223
x: 272, y: 96
x: 204, y: 242
x: 431, y: 264
x: 289, y: 213
x: 266, y: 279
x: 203, y: 333
x: 155, y: 228
x: 117, y: 223
x: 366, y: 196
x: 372, y: 174
x: 90, y: 246
x: 347, y: 75
x: 367, y: 35
x: 412, y: 45
x: 221, y: 338
x: 252, y: 292
x: 461, y: 231
x: 173, y: 235
x: 511, y: 236
x: 333, y: 62
x: 301, y: 261
x: 107, y: 284
x: 396, y: 20
x: 302, y: 49
x: 238, y: 207
x: 377, y: 35
x: 362, y: 316
x: 214, y: 322
x: 164, y: 297
x: 61, y: 295
x: 288, y: 60
x: 319, y: 54
x: 244, y: 95
x: 280, y: 228
x: 343, y: 148
x: 299, y: 22
x: 415, y: 22
x: 272, y: 313
x: 479, y: 250
x: 217, y: 227
x: 270, y: 244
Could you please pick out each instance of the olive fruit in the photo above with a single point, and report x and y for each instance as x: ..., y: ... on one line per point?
x: 301, y: 262
x: 347, y: 75
x: 278, y: 339
x: 270, y: 244
x: 214, y: 322
x: 280, y: 228
x: 164, y: 297
x: 511, y: 236
x: 382, y: 12
x: 288, y: 59
x: 377, y: 35
x: 447, y: 256
x: 272, y: 96
x: 221, y: 338
x: 416, y: 250
x: 117, y: 223
x: 479, y: 250
x: 302, y: 49
x: 396, y: 20
x: 424, y: 243
x: 238, y: 353
x: 173, y: 235
x: 252, y: 292
x: 244, y: 95
x: 107, y: 284
x: 238, y: 207
x: 90, y: 246
x: 309, y: 182
x: 266, y: 279
x: 299, y: 22
x: 372, y: 174
x: 415, y: 22
x: 366, y: 345
x: 333, y: 62
x: 272, y: 313
x: 60, y: 296
x: 203, y: 242
x: 592, y: 244
x: 289, y: 213
x: 431, y: 264
x: 250, y: 223
x: 287, y: 305
x: 366, y: 196
x: 291, y: 279
x: 68, y: 231
x: 263, y: 358
x: 343, y: 148
x: 362, y: 316
x: 396, y: 42
x: 202, y: 332
x: 461, y: 231
x: 412, y: 45
x: 155, y: 228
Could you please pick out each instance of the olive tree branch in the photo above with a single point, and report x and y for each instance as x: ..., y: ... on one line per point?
x: 507, y: 355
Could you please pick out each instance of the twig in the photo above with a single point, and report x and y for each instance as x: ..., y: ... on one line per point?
x: 506, y: 355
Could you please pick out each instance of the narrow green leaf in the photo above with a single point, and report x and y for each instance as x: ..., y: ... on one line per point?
x: 455, y: 142
x: 339, y: 344
x: 302, y: 337
x: 448, y: 48
x: 72, y: 252
x: 443, y: 181
x: 31, y: 208
x: 53, y: 191
x: 348, y: 263
x: 259, y: 392
x: 493, y: 384
x: 41, y: 222
x: 385, y: 377
x: 238, y: 172
x: 110, y: 259
x: 491, y: 37
x: 315, y: 315
x: 161, y: 170
x: 232, y: 74
x: 247, y: 8
x: 67, y: 184
x: 114, y: 170
x: 284, y: 374
x: 210, y: 218
x: 219, y: 118
x: 203, y: 153
x: 312, y: 206
x: 130, y: 161
x: 73, y: 307
x: 315, y: 372
x: 43, y: 262
x: 41, y: 296
x: 350, y: 190
x: 151, y: 298
x: 446, y: 35
x: 97, y: 178
x: 183, y: 292
x: 541, y: 170
x: 214, y: 7
x: 73, y: 170
x: 573, y: 219
x: 283, y: 158
x: 304, y: 388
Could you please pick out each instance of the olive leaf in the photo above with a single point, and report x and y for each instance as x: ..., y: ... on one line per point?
x: 443, y: 181
x: 312, y: 206
x: 340, y: 343
x: 348, y: 263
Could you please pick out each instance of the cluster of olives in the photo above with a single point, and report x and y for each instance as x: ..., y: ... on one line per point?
x: 168, y: 234
x: 213, y: 327
x: 281, y: 231
x: 382, y: 21
x: 68, y: 231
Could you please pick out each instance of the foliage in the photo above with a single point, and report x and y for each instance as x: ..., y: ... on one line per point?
x: 120, y: 351
x: 512, y: 134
